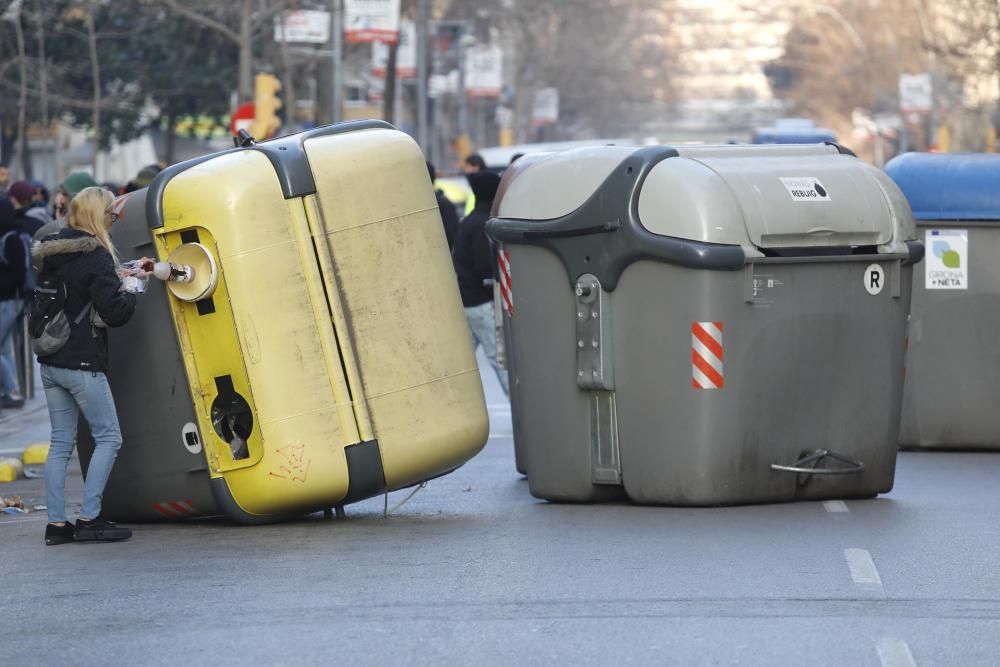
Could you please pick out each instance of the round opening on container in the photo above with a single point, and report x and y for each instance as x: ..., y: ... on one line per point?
x: 232, y: 420
x: 587, y: 259
x: 629, y: 171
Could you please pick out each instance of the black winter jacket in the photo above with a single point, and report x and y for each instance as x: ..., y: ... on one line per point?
x: 13, y: 263
x: 449, y: 218
x: 29, y: 222
x: 90, y: 276
x: 473, y: 257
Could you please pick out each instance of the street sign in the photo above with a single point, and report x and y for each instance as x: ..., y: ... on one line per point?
x: 406, y: 54
x: 484, y: 71
x: 915, y: 92
x: 371, y: 21
x: 242, y: 118
x: 310, y: 27
x: 545, y: 110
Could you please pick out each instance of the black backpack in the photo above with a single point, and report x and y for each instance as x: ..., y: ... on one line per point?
x: 48, y: 324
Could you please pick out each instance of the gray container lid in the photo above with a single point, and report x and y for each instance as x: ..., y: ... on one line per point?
x: 757, y: 197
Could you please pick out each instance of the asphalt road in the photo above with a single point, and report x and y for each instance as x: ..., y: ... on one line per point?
x: 474, y: 570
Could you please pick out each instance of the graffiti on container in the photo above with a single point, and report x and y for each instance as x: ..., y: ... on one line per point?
x: 295, y: 467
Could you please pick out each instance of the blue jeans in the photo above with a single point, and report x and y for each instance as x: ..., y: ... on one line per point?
x: 68, y: 393
x: 9, y: 310
x: 483, y: 327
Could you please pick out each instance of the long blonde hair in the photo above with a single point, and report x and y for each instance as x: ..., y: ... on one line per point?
x: 87, y: 212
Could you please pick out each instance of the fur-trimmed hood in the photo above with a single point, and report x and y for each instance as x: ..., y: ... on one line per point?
x: 60, y: 245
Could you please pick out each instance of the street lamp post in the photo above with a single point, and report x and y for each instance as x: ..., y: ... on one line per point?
x: 423, y: 19
x: 337, y: 57
x: 931, y: 49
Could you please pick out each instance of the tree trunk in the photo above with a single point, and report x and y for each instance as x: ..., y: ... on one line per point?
x: 246, y: 53
x: 171, y: 138
x: 22, y: 102
x: 95, y: 68
x: 389, y: 97
x: 43, y: 75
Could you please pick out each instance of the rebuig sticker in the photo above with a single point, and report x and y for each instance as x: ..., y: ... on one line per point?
x: 946, y: 263
x: 805, y: 188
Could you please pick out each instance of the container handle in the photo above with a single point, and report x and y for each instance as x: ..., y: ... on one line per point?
x: 815, y: 457
x: 551, y: 233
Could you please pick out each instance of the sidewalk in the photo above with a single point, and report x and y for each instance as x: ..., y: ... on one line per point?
x: 20, y: 427
x: 25, y: 426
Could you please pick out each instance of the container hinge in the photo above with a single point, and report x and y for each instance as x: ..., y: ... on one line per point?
x: 594, y: 369
x: 605, y: 462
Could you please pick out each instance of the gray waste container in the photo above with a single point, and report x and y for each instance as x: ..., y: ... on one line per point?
x: 704, y: 325
x: 953, y: 361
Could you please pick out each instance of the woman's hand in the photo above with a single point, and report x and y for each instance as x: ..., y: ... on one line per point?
x: 145, y: 266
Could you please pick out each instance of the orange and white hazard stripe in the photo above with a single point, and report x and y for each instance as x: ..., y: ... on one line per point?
x: 706, y: 355
x: 506, y: 294
x: 119, y: 204
x: 176, y: 509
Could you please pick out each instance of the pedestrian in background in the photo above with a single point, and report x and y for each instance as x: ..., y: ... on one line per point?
x: 4, y: 179
x: 142, y: 179
x: 40, y: 198
x: 449, y: 217
x: 473, y: 259
x: 29, y: 218
x: 69, y: 188
x: 83, y: 258
x: 473, y: 164
x: 13, y: 271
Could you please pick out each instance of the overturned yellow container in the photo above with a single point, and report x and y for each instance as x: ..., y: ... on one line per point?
x: 316, y: 352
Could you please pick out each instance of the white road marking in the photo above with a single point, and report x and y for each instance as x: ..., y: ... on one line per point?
x: 835, y: 506
x: 862, y: 567
x: 895, y: 653
x: 497, y: 436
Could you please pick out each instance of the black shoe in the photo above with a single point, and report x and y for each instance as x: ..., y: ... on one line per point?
x: 59, y: 534
x: 11, y: 402
x: 100, y: 530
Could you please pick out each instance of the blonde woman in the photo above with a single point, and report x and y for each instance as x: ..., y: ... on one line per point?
x: 82, y: 258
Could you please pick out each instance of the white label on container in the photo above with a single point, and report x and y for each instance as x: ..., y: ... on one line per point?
x: 874, y: 279
x: 805, y: 188
x: 946, y: 262
x: 189, y: 436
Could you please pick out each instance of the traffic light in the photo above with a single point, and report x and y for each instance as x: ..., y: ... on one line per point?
x: 266, y: 122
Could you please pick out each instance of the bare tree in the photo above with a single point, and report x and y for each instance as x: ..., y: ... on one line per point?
x: 609, y: 59
x: 95, y: 68
x: 970, y: 39
x: 845, y: 55
x: 22, y: 98
x: 250, y: 18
